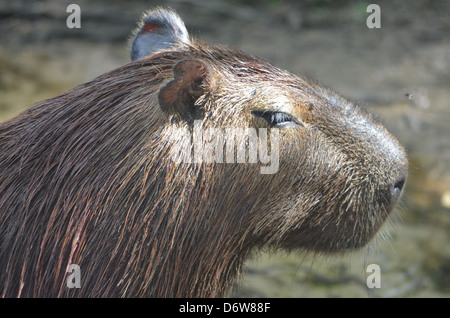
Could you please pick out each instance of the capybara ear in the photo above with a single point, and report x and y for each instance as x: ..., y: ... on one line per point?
x: 159, y: 29
x: 192, y: 78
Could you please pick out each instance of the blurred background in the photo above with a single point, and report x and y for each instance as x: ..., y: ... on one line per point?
x: 400, y: 72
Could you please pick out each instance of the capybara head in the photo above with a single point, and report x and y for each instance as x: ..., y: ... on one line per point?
x: 137, y: 176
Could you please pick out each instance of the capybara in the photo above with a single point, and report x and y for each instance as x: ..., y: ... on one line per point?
x: 89, y: 177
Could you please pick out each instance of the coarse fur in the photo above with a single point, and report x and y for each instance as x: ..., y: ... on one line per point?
x: 87, y: 178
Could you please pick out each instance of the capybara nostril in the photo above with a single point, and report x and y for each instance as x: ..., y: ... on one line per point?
x: 397, y: 188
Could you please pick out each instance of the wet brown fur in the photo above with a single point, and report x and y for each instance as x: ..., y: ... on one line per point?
x: 86, y: 178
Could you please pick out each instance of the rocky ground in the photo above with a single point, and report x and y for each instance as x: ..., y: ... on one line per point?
x: 401, y: 72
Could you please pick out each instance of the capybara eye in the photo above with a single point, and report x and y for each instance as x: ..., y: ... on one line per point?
x: 277, y: 119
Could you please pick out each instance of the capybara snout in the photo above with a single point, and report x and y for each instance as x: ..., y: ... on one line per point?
x: 352, y: 171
